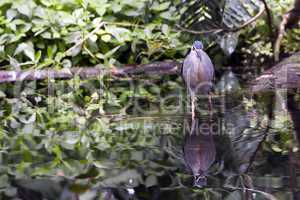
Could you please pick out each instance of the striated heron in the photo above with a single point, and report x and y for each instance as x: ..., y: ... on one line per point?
x: 198, y: 72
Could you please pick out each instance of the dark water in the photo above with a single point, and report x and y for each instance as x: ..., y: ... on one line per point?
x: 233, y: 152
x: 213, y: 157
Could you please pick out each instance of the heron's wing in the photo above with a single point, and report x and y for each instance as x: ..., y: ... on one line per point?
x: 209, y: 67
x: 186, y: 55
x: 181, y: 72
x: 185, y: 65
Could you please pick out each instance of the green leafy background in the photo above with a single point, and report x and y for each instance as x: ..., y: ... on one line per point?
x: 90, y: 131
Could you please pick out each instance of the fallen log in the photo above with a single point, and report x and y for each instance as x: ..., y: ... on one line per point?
x: 164, y: 67
x: 284, y: 75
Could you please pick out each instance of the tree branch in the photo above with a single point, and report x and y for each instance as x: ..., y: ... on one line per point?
x: 223, y: 29
x: 289, y: 20
x: 270, y: 22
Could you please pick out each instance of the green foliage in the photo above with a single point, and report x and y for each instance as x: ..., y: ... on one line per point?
x: 38, y: 33
x: 105, y: 132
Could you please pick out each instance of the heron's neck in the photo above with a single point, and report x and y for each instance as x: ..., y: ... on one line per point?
x: 196, y: 54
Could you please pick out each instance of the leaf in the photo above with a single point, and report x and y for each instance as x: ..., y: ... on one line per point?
x: 78, y: 13
x: 132, y: 13
x: 80, y: 120
x: 111, y: 52
x: 151, y: 181
x: 59, y: 56
x: 91, y: 46
x: 27, y: 49
x: 66, y: 63
x: 74, y: 37
x: 71, y: 137
x: 121, y: 34
x: 100, y: 165
x: 2, y: 94
x: 2, y: 52
x: 51, y: 50
x: 101, y: 10
x: 25, y: 10
x: 31, y: 119
x: 57, y: 151
x: 137, y: 155
x: 116, y: 7
x: 106, y: 38
x: 93, y: 38
x: 4, y: 181
x: 38, y: 56
x: 75, y: 51
x: 100, y: 6
x: 276, y: 148
x: 160, y: 6
x: 166, y: 15
x: 66, y: 19
x: 14, y: 64
x: 10, y: 14
x: 165, y: 29
x: 5, y: 38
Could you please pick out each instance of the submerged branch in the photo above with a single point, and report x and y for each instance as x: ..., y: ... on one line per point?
x: 158, y: 68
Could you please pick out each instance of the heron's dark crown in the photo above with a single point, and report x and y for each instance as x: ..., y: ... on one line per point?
x: 198, y: 45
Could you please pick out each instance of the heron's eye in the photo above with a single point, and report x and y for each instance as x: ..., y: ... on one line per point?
x: 193, y: 48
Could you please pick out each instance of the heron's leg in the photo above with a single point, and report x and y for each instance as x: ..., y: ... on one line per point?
x: 193, y: 106
x: 209, y: 104
x: 193, y: 127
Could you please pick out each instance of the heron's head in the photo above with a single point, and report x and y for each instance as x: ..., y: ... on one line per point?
x: 197, y: 45
x: 197, y: 48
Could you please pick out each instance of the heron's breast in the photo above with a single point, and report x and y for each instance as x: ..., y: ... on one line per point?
x: 195, y: 74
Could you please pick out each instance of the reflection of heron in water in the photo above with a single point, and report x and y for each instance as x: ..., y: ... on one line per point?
x: 199, y: 152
